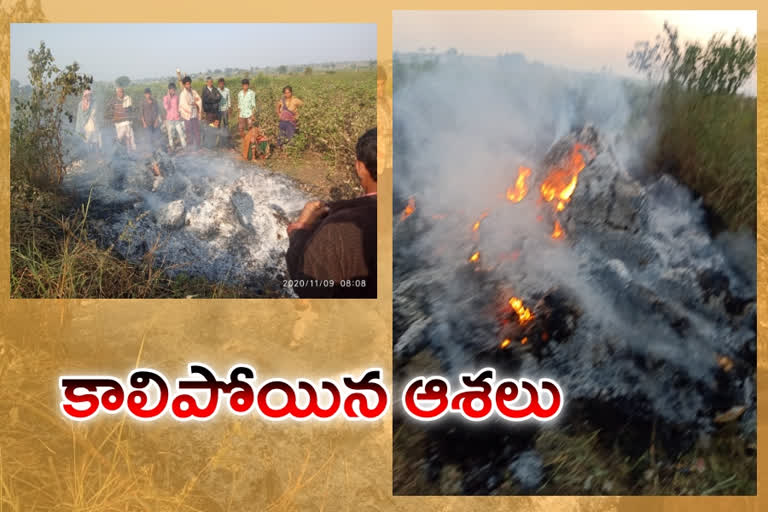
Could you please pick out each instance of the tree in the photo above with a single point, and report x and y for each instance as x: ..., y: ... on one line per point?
x: 123, y: 81
x: 38, y: 130
x: 720, y: 67
x: 308, y: 70
x: 282, y: 70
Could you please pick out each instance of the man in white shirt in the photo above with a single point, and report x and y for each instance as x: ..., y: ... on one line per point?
x: 246, y: 103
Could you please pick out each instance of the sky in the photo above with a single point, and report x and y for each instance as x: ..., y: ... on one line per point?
x: 580, y: 40
x: 148, y: 50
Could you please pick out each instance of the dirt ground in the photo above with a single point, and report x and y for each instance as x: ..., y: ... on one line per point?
x: 313, y: 172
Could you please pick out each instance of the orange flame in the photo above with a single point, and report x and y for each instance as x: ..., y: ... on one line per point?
x: 475, y: 257
x: 561, y: 181
x: 476, y: 225
x: 409, y: 209
x: 558, y: 231
x: 524, y: 314
x: 505, y: 343
x: 517, y: 192
x: 524, y: 340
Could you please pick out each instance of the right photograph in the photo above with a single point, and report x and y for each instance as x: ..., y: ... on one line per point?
x: 574, y: 206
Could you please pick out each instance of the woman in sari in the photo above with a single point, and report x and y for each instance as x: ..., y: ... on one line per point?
x: 288, y: 112
x: 86, y: 122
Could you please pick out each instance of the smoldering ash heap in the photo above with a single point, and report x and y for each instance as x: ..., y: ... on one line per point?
x: 582, y: 273
x: 210, y: 216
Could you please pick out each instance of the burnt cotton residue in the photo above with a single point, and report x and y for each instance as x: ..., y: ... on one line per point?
x: 645, y: 320
x: 209, y: 214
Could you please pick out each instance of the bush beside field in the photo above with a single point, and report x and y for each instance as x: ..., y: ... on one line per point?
x: 709, y: 143
x: 705, y: 127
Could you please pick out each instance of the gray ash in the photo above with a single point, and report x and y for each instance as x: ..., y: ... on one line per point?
x: 205, y: 214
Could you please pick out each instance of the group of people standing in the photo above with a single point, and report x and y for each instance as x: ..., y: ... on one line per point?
x: 195, y: 119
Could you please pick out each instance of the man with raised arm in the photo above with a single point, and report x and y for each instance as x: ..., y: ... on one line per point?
x: 190, y: 109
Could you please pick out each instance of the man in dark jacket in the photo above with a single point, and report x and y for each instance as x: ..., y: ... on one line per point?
x: 211, y: 99
x: 332, y: 251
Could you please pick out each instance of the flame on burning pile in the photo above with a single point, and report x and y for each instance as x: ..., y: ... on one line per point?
x: 517, y: 192
x: 507, y: 342
x: 524, y: 314
x: 475, y: 257
x: 561, y: 182
x: 558, y: 231
x: 476, y: 225
x: 409, y: 209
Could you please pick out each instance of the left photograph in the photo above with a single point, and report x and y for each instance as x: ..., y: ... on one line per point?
x: 193, y: 160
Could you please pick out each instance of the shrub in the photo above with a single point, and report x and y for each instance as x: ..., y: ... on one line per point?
x: 38, y: 153
x: 720, y: 67
x: 706, y: 130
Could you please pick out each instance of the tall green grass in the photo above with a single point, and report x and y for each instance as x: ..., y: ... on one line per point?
x: 52, y: 256
x: 709, y: 142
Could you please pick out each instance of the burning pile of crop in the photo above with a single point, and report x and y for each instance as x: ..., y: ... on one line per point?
x: 203, y: 215
x: 581, y: 273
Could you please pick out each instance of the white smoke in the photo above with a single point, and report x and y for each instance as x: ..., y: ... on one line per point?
x: 470, y: 122
x: 211, y: 214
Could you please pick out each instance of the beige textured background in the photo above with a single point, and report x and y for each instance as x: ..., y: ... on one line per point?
x: 229, y: 464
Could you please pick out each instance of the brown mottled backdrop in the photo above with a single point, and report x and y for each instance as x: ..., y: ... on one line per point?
x: 228, y: 464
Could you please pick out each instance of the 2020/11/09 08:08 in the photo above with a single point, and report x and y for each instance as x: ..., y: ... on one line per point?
x: 327, y: 283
